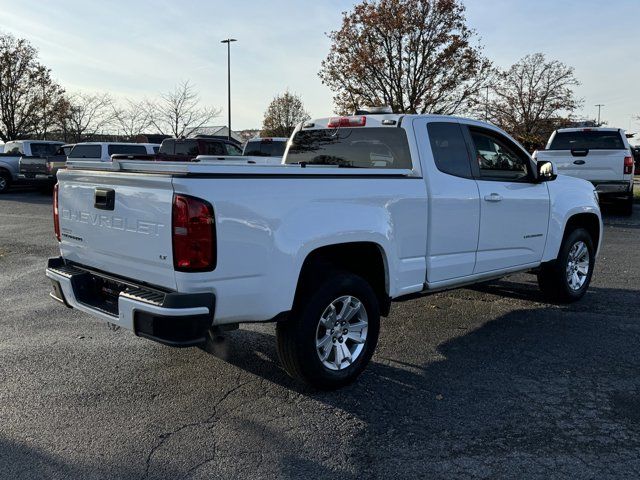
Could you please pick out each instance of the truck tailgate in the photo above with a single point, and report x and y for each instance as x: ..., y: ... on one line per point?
x: 33, y: 165
x: 119, y: 223
x: 595, y: 166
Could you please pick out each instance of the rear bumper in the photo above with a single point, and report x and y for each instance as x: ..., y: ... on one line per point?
x: 620, y: 187
x: 175, y: 319
x: 36, y: 178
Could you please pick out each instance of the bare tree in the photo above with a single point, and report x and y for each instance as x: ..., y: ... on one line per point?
x: 283, y: 114
x: 179, y: 113
x: 86, y: 115
x: 133, y: 119
x: 28, y: 95
x: 414, y: 55
x: 534, y: 97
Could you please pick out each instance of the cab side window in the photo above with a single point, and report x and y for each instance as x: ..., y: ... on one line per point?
x: 497, y: 158
x: 449, y: 148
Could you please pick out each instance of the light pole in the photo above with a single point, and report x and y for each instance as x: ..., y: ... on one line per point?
x: 486, y: 106
x: 599, y: 105
x: 228, y: 42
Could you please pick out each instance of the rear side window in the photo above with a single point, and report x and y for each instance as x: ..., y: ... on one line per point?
x: 167, y: 147
x: 265, y: 148
x: 376, y: 147
x: 86, y: 151
x: 449, y: 148
x: 591, y: 140
x: 127, y: 150
x: 187, y: 147
x: 156, y: 149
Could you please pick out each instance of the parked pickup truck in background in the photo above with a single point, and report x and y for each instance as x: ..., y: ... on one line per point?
x: 17, y: 149
x: 44, y: 169
x: 600, y: 155
x: 365, y: 210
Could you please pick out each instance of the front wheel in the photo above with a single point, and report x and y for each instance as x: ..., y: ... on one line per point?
x: 567, y: 279
x: 5, y: 182
x: 332, y: 333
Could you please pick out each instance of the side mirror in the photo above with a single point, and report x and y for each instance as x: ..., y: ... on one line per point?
x: 546, y: 170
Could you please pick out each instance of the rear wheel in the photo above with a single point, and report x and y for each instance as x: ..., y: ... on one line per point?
x: 332, y: 332
x: 5, y: 181
x: 567, y: 278
x: 627, y: 204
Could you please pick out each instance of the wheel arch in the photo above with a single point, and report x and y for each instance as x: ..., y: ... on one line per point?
x: 589, y: 221
x: 364, y: 258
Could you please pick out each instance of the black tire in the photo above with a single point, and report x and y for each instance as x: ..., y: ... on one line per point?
x: 552, y: 277
x: 627, y: 205
x: 297, y: 336
x: 5, y: 181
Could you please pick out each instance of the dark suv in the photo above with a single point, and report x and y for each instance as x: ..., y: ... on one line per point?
x: 186, y: 149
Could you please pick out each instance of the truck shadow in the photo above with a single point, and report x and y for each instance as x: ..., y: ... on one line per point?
x: 26, y: 195
x: 21, y: 462
x: 556, y: 384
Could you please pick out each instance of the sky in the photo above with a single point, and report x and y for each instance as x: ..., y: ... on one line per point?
x: 138, y: 49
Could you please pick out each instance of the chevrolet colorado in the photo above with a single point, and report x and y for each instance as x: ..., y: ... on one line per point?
x: 364, y: 210
x: 600, y: 155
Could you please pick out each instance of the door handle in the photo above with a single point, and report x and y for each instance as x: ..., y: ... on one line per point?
x: 494, y: 197
x: 579, y: 162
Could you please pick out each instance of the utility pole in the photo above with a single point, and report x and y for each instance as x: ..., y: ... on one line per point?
x: 228, y: 42
x: 599, y: 105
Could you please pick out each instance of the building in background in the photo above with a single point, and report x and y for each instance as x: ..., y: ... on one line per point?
x: 217, y: 131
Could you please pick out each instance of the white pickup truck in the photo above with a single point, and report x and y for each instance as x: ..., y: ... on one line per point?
x: 364, y: 210
x: 600, y: 155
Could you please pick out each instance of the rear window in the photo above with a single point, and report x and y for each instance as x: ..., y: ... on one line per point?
x: 127, y: 150
x: 376, y: 147
x: 44, y: 149
x: 86, y: 151
x: 265, y: 148
x: 592, y: 140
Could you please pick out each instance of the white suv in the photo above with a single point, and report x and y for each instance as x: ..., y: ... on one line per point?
x: 102, y: 151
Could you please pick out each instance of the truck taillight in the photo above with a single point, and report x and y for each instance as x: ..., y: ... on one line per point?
x: 628, y: 165
x: 356, y: 121
x: 56, y: 213
x: 193, y: 234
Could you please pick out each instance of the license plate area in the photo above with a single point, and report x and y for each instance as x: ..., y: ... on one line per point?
x: 98, y: 292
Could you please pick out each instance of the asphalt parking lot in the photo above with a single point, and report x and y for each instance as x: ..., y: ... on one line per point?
x: 488, y: 382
